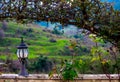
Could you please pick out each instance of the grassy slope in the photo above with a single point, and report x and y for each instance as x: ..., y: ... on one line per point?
x: 37, y: 40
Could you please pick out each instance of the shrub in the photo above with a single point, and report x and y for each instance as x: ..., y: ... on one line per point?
x: 13, y: 66
x: 66, y: 71
x: 69, y: 72
x: 29, y: 30
x: 24, y: 33
x: 52, y: 40
x: 42, y: 64
x: 18, y: 31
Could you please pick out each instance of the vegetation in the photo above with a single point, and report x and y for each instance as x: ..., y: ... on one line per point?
x: 1, y: 34
x: 47, y: 49
x: 100, y: 61
x: 98, y: 17
x: 38, y: 41
x: 41, y: 65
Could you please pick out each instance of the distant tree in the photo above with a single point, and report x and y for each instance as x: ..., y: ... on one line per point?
x: 2, y: 34
x: 4, y: 25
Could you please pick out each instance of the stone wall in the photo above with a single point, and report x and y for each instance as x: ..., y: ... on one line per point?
x: 45, y: 78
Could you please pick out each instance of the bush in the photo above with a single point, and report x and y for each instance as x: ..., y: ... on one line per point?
x: 18, y: 31
x: 24, y: 33
x: 66, y: 71
x: 29, y: 30
x: 13, y: 65
x: 42, y: 64
x: 52, y: 40
x: 69, y: 72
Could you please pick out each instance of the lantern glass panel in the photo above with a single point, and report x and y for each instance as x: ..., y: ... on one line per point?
x: 18, y: 51
x: 22, y: 53
x: 25, y: 53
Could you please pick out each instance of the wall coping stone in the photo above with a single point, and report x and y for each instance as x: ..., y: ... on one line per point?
x: 55, y: 76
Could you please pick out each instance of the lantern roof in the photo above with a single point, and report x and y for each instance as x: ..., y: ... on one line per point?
x: 22, y: 45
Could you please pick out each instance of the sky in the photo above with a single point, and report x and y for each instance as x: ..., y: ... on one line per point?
x: 115, y: 2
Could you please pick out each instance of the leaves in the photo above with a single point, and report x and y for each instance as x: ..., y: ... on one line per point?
x: 94, y: 59
x: 86, y: 14
x: 69, y: 72
x: 42, y: 64
x: 96, y: 39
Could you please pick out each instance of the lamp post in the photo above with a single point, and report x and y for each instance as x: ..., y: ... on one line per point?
x: 22, y: 53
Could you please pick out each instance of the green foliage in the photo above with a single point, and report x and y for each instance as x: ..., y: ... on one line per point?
x: 102, y: 57
x: 41, y: 64
x: 101, y: 50
x: 95, y: 50
x: 5, y: 42
x: 66, y: 71
x: 69, y: 72
x: 74, y: 48
x: 96, y: 39
x: 82, y: 65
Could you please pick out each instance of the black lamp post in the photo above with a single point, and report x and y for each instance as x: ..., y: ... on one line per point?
x: 22, y: 53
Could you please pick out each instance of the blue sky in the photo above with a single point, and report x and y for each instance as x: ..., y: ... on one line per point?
x: 116, y: 3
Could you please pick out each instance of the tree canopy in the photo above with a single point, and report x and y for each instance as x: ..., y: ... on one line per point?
x: 97, y: 17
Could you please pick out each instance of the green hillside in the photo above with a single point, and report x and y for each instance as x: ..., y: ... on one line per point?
x: 47, y: 50
x: 40, y: 41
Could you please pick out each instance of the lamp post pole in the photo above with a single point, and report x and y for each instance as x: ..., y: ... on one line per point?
x: 23, y: 71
